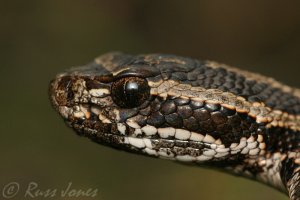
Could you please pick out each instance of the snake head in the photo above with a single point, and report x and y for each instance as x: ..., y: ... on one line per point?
x: 158, y: 105
x: 186, y: 110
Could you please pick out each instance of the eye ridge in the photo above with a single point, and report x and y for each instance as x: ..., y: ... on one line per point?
x: 130, y: 92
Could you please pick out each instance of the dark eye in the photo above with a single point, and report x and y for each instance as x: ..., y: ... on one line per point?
x: 130, y: 92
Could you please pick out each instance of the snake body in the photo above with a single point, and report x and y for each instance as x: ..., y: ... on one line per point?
x: 187, y: 110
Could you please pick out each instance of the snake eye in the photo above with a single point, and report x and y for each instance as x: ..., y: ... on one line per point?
x: 130, y: 92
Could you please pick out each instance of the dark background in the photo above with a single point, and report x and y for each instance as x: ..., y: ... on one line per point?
x: 39, y: 38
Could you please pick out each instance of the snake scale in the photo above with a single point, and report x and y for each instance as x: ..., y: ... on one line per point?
x: 187, y: 110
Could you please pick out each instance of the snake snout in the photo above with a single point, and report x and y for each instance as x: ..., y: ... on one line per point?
x: 61, y: 94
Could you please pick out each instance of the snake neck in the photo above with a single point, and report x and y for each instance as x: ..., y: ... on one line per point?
x: 277, y: 166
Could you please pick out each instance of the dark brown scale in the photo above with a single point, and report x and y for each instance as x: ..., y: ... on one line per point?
x: 245, y: 125
x: 218, y: 81
x: 237, y: 130
x: 127, y: 113
x: 201, y: 114
x: 218, y: 118
x: 264, y: 96
x: 223, y: 88
x: 227, y: 111
x: 229, y: 76
x: 197, y: 83
x: 246, y: 133
x: 196, y: 104
x: 230, y: 138
x: 155, y: 105
x: 181, y: 76
x: 250, y: 83
x: 168, y: 107
x: 201, y: 77
x: 214, y: 86
x: 212, y: 107
x: 239, y: 84
x: 246, y: 92
x: 181, y: 101
x: 258, y: 87
x: 209, y: 72
x: 253, y: 127
x: 174, y: 120
x: 223, y: 129
x: 207, y: 126
x: 156, y: 119
x: 207, y: 83
x: 191, y: 124
x: 239, y: 81
x: 141, y: 120
x: 184, y: 111
x: 221, y: 74
x: 192, y: 76
x: 146, y: 111
x: 215, y: 134
x: 255, y: 99
x: 243, y: 116
x: 237, y: 91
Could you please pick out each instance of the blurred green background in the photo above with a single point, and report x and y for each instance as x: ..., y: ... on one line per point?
x: 40, y: 38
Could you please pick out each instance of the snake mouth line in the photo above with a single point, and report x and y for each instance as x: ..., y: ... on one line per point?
x: 177, y: 150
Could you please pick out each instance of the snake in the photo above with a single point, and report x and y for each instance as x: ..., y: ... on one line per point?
x: 191, y: 111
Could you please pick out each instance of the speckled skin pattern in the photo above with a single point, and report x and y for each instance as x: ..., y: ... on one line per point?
x: 187, y: 110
